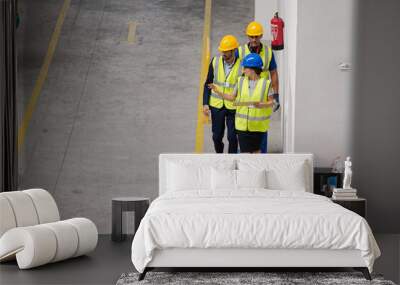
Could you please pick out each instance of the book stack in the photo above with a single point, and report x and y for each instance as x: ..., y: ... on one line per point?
x: 344, y: 194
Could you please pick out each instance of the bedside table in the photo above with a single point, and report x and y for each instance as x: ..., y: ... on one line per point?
x: 358, y: 205
x: 139, y: 205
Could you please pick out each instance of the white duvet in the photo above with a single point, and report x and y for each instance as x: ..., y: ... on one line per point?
x: 252, y: 218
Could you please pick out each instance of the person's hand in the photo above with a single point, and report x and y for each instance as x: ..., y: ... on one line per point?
x: 276, y: 102
x: 276, y: 106
x: 212, y: 86
x: 262, y: 104
x: 206, y: 110
x: 257, y: 105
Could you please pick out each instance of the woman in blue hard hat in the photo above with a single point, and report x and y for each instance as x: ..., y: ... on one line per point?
x: 254, y: 107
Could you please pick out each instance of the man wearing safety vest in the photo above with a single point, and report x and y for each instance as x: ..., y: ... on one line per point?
x: 223, y: 72
x: 254, y: 106
x: 254, y: 33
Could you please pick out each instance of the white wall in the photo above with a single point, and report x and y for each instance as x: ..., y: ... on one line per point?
x: 332, y: 113
x: 376, y: 118
x: 319, y: 36
x: 263, y: 12
x: 288, y: 11
x: 323, y: 102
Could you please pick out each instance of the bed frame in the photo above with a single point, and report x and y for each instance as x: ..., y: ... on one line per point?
x: 250, y: 259
x: 242, y: 259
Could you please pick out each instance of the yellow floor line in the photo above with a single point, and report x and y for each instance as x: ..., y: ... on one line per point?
x: 42, y: 74
x: 205, y: 59
x: 131, y: 32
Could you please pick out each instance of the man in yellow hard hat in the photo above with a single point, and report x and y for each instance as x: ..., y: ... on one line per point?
x: 223, y: 71
x: 254, y: 32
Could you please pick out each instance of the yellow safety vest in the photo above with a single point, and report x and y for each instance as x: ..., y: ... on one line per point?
x: 225, y: 84
x: 249, y: 118
x: 265, y: 54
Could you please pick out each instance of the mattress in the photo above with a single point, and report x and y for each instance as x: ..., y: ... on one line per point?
x: 252, y: 219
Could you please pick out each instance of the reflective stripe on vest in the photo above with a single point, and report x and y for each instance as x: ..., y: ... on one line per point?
x: 225, y: 84
x: 248, y: 118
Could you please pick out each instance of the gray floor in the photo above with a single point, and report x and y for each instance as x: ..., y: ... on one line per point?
x: 110, y: 259
x: 109, y: 107
x: 103, y: 266
x: 389, y: 262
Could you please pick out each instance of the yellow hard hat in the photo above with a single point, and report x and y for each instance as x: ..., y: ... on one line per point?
x: 228, y: 42
x: 254, y: 29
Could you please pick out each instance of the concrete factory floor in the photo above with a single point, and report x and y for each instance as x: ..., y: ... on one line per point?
x: 108, y: 106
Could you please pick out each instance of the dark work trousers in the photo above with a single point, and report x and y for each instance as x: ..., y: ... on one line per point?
x: 264, y: 143
x: 218, y: 119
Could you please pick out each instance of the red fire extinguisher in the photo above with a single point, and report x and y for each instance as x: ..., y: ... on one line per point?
x: 277, y: 26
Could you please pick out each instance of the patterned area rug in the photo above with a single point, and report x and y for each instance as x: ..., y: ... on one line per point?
x: 243, y: 278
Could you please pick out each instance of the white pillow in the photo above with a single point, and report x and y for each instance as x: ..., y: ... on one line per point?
x: 223, y: 179
x: 189, y: 174
x: 287, y: 174
x: 251, y: 178
x: 188, y: 177
x: 292, y: 178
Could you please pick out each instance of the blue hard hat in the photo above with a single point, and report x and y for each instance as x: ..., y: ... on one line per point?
x: 252, y: 60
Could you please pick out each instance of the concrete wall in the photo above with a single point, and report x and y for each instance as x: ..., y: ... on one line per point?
x: 263, y: 12
x: 315, y: 78
x: 339, y: 113
x: 376, y: 116
x: 288, y: 10
x: 323, y: 104
x: 334, y: 112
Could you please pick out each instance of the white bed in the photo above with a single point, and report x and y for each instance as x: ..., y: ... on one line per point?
x: 248, y: 227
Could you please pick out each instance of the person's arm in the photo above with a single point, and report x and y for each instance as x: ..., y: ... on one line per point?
x: 226, y: 96
x: 275, y: 81
x: 207, y: 91
x: 273, y: 70
x: 275, y: 88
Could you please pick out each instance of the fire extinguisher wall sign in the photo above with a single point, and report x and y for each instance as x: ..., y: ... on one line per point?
x: 277, y: 26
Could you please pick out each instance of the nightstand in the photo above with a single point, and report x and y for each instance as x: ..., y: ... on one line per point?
x: 139, y: 205
x: 358, y: 205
